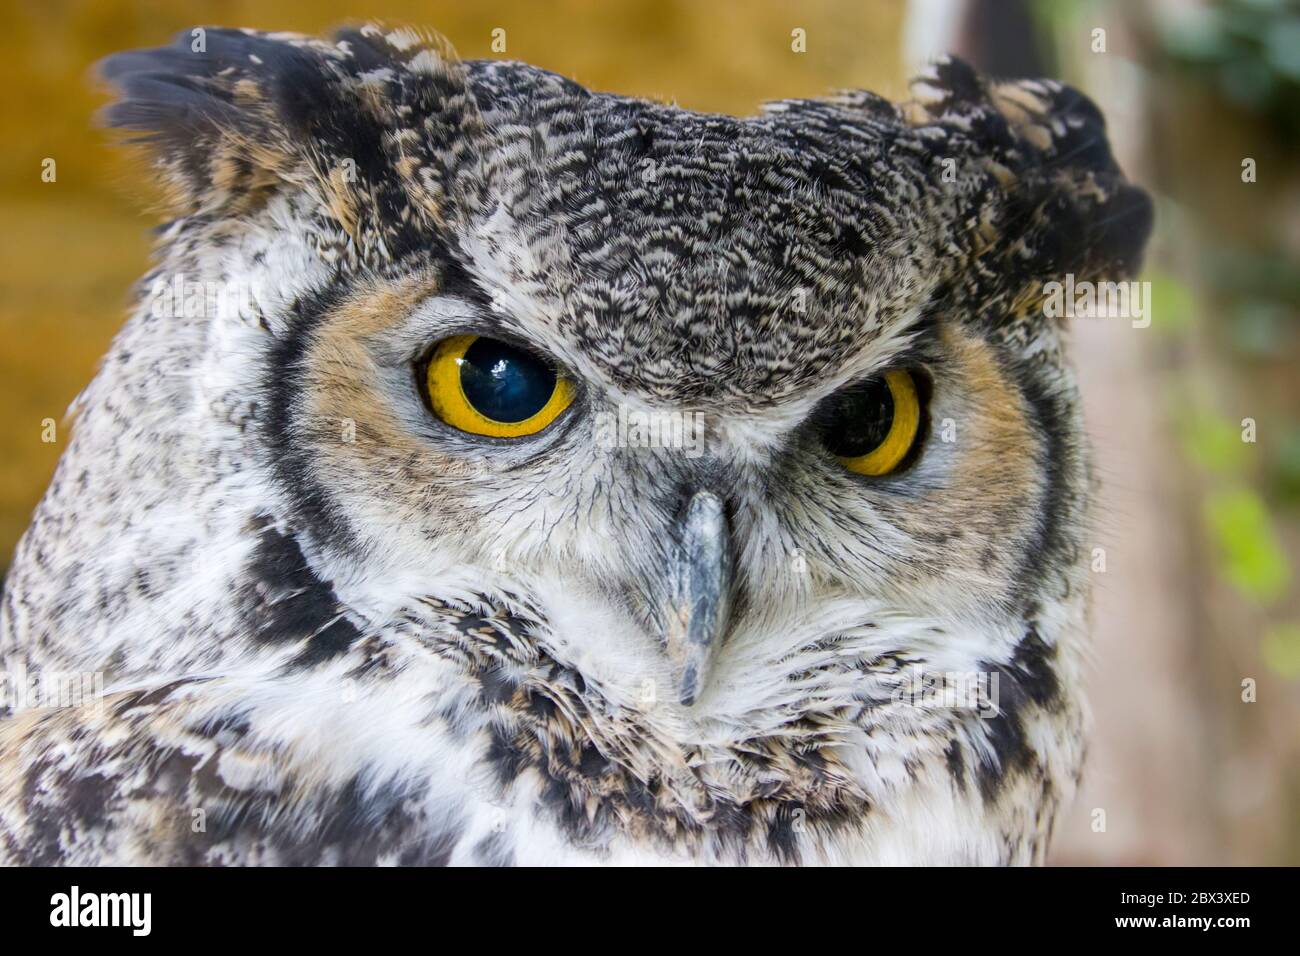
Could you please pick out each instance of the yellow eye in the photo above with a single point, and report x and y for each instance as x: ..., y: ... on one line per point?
x: 871, y: 428
x: 488, y: 387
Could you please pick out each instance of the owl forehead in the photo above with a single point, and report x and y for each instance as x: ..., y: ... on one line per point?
x: 689, y: 256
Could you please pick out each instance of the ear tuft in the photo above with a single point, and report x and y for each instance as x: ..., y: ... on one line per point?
x: 231, y: 115
x: 209, y: 107
x: 1056, y: 202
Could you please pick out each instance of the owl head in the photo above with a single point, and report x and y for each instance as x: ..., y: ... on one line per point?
x: 672, y: 441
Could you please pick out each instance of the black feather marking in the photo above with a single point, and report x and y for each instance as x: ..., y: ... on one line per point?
x: 287, y: 602
x: 1027, y: 681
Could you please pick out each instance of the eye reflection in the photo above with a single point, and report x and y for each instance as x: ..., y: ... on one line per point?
x: 488, y: 387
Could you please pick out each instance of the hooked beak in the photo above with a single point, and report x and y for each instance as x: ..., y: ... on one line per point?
x: 701, y: 575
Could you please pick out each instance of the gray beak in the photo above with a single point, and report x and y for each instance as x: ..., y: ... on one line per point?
x: 701, y: 576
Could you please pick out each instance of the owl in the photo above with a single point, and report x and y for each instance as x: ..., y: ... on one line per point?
x: 493, y: 471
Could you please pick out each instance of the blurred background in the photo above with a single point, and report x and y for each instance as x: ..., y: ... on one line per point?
x: 1196, y: 685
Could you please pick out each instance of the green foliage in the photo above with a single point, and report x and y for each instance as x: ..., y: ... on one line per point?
x: 1250, y: 557
x: 1281, y: 649
x: 1287, y: 470
x: 1255, y: 273
x: 1260, y: 329
x: 1212, y: 442
x: 1173, y: 310
x: 1249, y: 52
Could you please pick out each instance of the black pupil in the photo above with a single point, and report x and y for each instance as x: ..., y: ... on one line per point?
x: 857, y: 421
x: 504, y: 383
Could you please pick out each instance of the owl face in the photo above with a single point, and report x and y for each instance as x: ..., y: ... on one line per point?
x: 590, y: 516
x: 710, y: 428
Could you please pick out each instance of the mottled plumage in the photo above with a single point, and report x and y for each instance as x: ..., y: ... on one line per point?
x: 335, y: 630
